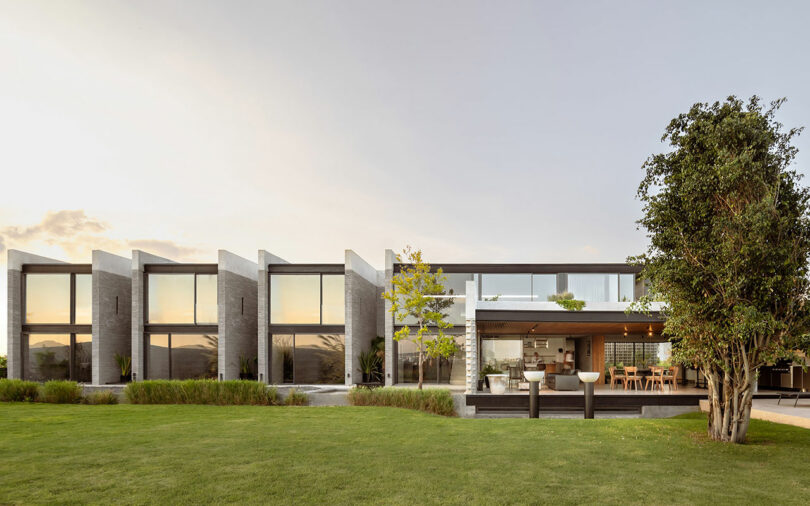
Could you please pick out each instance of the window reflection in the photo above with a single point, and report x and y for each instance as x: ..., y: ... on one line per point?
x: 84, y: 299
x: 435, y: 370
x: 83, y: 358
x: 207, y: 299
x: 182, y: 356
x: 506, y: 287
x: 47, y: 298
x: 295, y: 298
x: 334, y: 299
x: 501, y: 353
x: 627, y: 286
x: 594, y: 287
x: 452, y: 304
x: 543, y: 286
x: 171, y: 298
x: 309, y: 359
x: 48, y: 357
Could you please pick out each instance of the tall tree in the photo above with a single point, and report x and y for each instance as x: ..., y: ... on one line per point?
x: 415, y: 293
x: 729, y: 238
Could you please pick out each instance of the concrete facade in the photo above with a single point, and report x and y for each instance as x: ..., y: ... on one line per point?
x: 16, y: 351
x: 361, y: 312
x: 237, y: 314
x: 471, y: 338
x: 263, y: 302
x: 390, y: 358
x: 112, y: 315
x: 139, y: 259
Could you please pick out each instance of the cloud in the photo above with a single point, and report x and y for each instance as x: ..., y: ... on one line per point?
x: 77, y: 234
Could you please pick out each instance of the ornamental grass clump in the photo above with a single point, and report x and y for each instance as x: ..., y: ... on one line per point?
x: 15, y: 390
x: 60, y: 392
x: 295, y: 398
x: 103, y: 397
x: 435, y: 401
x: 232, y: 392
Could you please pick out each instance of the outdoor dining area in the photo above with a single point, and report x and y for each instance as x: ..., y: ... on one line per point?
x: 632, y: 377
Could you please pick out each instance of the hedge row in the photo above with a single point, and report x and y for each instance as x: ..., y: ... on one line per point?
x: 232, y: 392
x: 54, y: 391
x: 432, y: 400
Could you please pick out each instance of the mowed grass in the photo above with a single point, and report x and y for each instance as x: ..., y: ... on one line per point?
x: 353, y: 455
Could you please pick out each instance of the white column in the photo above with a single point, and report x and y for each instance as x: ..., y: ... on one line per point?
x: 471, y: 341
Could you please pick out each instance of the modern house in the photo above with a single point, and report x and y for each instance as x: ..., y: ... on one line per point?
x: 306, y: 324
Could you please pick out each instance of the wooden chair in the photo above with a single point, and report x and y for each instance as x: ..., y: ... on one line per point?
x: 631, y: 376
x: 671, y: 377
x: 656, y: 376
x: 615, y: 378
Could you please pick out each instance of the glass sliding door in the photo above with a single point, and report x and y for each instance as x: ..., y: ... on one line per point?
x: 308, y: 359
x: 83, y: 358
x: 436, y: 370
x: 182, y: 356
x: 48, y: 357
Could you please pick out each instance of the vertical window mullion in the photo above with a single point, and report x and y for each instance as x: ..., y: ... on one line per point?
x: 195, y: 299
x: 169, y: 341
x: 320, y: 286
x: 72, y: 357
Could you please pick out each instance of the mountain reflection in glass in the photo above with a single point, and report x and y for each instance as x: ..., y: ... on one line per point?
x: 48, y: 357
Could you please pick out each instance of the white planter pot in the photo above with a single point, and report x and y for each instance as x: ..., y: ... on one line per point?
x: 497, y: 383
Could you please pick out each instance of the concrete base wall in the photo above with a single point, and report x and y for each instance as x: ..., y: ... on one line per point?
x: 112, y: 315
x: 237, y: 306
x: 263, y: 303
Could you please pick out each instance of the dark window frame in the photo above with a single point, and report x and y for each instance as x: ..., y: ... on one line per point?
x: 72, y: 374
x: 320, y: 296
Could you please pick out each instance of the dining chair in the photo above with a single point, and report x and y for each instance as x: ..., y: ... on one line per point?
x: 631, y: 376
x: 615, y: 378
x: 656, y: 376
x: 671, y: 377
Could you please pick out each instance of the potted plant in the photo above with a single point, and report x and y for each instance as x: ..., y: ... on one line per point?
x: 125, y: 365
x: 3, y: 366
x: 482, y: 376
x: 369, y: 365
x: 245, y: 372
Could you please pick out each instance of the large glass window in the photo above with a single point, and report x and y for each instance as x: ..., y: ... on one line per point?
x: 172, y: 299
x: 314, y: 299
x: 334, y: 300
x: 309, y: 359
x: 182, y: 356
x: 207, y: 299
x: 60, y: 357
x: 47, y: 298
x: 48, y: 357
x: 594, y: 287
x: 543, y: 286
x: 452, y: 303
x: 501, y: 353
x: 295, y: 298
x: 506, y: 287
x: 435, y: 370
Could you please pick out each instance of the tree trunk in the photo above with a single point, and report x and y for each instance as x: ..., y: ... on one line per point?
x: 421, y: 366
x: 730, y: 398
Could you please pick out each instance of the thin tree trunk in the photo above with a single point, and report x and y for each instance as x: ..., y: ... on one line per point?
x: 421, y: 366
x: 730, y: 398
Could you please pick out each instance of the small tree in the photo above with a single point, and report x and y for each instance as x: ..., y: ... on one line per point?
x: 415, y: 290
x: 729, y: 230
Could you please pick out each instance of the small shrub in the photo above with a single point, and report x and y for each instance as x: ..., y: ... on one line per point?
x: 15, y: 390
x: 60, y: 392
x: 103, y: 397
x: 232, y: 392
x: 432, y: 400
x: 295, y: 398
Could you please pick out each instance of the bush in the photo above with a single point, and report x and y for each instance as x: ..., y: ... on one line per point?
x: 103, y: 397
x: 232, y: 392
x: 60, y: 392
x: 436, y: 401
x: 15, y: 390
x: 296, y: 398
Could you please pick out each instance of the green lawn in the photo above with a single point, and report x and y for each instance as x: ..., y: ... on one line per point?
x: 244, y: 454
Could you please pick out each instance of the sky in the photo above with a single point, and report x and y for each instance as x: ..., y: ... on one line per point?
x: 475, y: 131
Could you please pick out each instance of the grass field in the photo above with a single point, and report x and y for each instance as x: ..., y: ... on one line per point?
x: 247, y: 454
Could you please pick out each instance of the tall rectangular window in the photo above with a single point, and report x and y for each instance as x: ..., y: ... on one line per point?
x: 171, y: 298
x: 157, y: 365
x: 47, y: 298
x: 627, y: 287
x: 83, y: 358
x: 48, y: 357
x: 206, y: 299
x: 84, y: 299
x: 334, y: 299
x: 295, y: 298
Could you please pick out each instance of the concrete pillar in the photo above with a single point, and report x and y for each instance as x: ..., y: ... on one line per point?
x: 112, y: 315
x: 471, y: 338
x: 15, y: 261
x: 263, y: 302
x: 361, y: 312
x: 390, y: 363
x: 139, y: 259
x: 237, y: 307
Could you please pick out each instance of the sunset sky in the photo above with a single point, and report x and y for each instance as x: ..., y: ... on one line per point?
x: 476, y: 131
